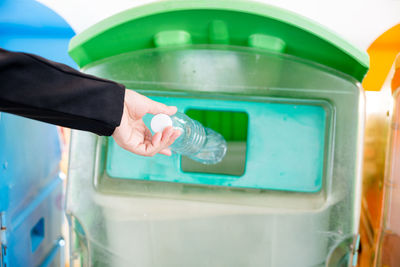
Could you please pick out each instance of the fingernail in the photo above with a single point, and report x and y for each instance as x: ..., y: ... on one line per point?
x: 173, y: 109
x: 169, y: 131
x: 157, y: 139
x: 177, y: 133
x: 167, y: 134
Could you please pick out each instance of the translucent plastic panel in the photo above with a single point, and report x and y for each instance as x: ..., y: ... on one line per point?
x: 389, y: 243
x: 218, y: 69
x: 152, y: 220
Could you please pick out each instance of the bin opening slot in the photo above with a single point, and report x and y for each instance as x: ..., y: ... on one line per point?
x: 233, y: 126
x: 273, y: 145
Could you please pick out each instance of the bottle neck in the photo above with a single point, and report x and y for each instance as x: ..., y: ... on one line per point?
x: 193, y: 135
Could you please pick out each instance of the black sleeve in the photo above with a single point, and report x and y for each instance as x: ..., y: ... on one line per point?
x: 40, y: 89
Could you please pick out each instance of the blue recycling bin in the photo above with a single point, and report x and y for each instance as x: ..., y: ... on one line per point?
x: 31, y: 188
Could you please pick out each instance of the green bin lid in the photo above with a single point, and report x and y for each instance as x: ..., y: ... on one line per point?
x: 236, y: 23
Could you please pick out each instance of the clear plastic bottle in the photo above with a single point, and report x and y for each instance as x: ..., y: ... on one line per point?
x: 197, y: 142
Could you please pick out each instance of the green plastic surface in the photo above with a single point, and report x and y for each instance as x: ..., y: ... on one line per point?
x: 231, y: 125
x: 286, y: 147
x: 238, y: 23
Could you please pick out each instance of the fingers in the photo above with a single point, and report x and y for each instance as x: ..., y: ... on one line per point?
x: 174, y: 136
x: 164, y: 139
x: 168, y: 137
x: 166, y: 152
x: 141, y: 105
x: 156, y: 140
x: 134, y: 136
x: 157, y: 108
x: 161, y: 142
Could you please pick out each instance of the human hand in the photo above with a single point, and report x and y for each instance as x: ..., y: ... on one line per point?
x: 133, y: 135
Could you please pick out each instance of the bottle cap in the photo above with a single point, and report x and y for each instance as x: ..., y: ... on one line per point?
x: 159, y: 122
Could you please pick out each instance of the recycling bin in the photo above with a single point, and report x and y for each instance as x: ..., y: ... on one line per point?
x: 31, y: 185
x: 285, y: 94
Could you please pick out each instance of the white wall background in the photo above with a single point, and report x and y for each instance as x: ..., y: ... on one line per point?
x: 358, y: 21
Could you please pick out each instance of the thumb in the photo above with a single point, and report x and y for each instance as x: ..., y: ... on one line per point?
x: 157, y: 108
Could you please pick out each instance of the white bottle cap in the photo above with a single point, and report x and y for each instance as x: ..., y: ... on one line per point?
x: 159, y: 122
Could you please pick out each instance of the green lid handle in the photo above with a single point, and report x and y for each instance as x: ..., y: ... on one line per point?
x: 172, y: 38
x: 267, y: 42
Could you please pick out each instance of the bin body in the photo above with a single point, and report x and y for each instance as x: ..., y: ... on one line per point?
x: 287, y: 193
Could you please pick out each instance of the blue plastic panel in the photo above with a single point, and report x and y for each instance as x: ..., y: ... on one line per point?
x: 55, y: 257
x: 54, y: 49
x: 29, y: 156
x: 44, y: 214
x: 29, y: 26
x: 31, y: 191
x: 285, y: 148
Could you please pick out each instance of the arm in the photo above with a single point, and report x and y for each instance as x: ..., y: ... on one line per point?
x: 40, y: 89
x: 36, y: 88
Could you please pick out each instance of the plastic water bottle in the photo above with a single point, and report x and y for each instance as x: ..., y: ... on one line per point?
x: 197, y: 142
